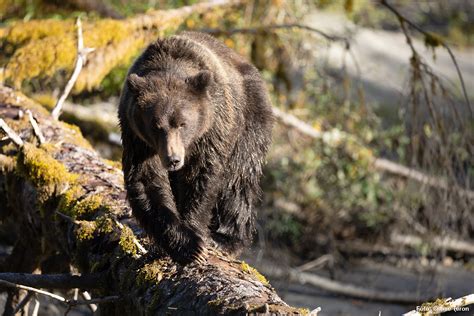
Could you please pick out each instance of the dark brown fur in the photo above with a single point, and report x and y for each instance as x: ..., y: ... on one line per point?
x: 196, y: 126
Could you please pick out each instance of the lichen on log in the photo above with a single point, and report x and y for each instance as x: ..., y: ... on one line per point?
x: 97, y: 233
x: 42, y: 48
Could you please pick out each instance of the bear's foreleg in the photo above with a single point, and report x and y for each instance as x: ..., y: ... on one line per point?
x: 152, y: 202
x: 203, y: 197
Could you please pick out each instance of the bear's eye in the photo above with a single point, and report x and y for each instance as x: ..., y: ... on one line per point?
x: 158, y: 128
x: 182, y: 125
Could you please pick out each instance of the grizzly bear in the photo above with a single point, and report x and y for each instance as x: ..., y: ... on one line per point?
x: 196, y: 124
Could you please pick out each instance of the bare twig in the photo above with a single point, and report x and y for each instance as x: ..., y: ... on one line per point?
x: 317, y: 263
x: 31, y: 289
x: 68, y: 218
x: 11, y: 133
x: 35, y: 307
x: 266, y: 28
x: 70, y: 303
x: 400, y: 170
x: 441, y: 42
x: 442, y: 306
x: 86, y: 296
x: 293, y: 121
x: 80, y: 62
x: 23, y: 302
x: 436, y: 242
x: 36, y: 128
x: 100, y: 300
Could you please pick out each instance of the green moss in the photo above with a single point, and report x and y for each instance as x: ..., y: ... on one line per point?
x: 429, y: 308
x: 88, y: 205
x: 69, y: 198
x: 104, y: 225
x: 85, y: 230
x: 46, y: 100
x: 47, y: 174
x: 303, y: 311
x: 127, y: 241
x: 42, y: 47
x: 250, y: 270
x: 21, y: 32
x: 150, y: 273
x: 113, y: 163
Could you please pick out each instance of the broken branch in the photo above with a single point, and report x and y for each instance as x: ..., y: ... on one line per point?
x: 11, y: 133
x: 80, y: 62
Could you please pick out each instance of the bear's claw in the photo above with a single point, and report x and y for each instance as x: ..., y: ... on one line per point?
x: 200, y: 256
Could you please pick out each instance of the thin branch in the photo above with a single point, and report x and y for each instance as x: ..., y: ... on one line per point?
x: 100, y: 300
x: 35, y: 307
x: 353, y: 290
x: 442, y: 306
x: 400, y: 170
x: 436, y: 242
x: 11, y: 133
x: 23, y: 302
x: 31, y: 289
x: 55, y: 281
x: 68, y: 218
x: 107, y: 299
x: 317, y: 263
x: 80, y: 62
x: 86, y: 296
x: 266, y: 28
x: 36, y: 128
x: 346, y: 289
x: 296, y: 123
x: 428, y: 35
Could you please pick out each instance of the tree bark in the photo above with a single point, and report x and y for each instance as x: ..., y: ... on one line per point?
x: 66, y: 200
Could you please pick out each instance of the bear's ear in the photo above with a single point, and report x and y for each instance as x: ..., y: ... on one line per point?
x: 135, y: 82
x: 201, y: 81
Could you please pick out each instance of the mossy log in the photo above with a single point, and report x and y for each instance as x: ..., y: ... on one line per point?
x: 43, y: 48
x: 67, y: 207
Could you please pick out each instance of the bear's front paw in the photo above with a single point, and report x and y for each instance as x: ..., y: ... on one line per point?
x: 200, y: 254
x: 190, y: 248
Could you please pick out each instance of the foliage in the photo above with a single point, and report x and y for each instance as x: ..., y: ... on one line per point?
x: 331, y: 179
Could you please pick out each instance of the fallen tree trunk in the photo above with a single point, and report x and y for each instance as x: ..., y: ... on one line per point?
x: 66, y: 205
x: 50, y: 44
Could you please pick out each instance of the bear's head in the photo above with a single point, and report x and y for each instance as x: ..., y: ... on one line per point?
x: 171, y: 112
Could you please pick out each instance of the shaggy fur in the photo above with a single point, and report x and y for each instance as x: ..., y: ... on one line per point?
x: 192, y: 98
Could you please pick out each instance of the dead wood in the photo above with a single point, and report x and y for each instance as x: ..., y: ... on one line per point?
x: 65, y: 175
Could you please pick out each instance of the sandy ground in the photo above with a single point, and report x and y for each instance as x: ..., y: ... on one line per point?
x: 369, y: 274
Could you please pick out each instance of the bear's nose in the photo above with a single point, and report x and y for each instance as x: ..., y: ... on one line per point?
x: 174, y: 160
